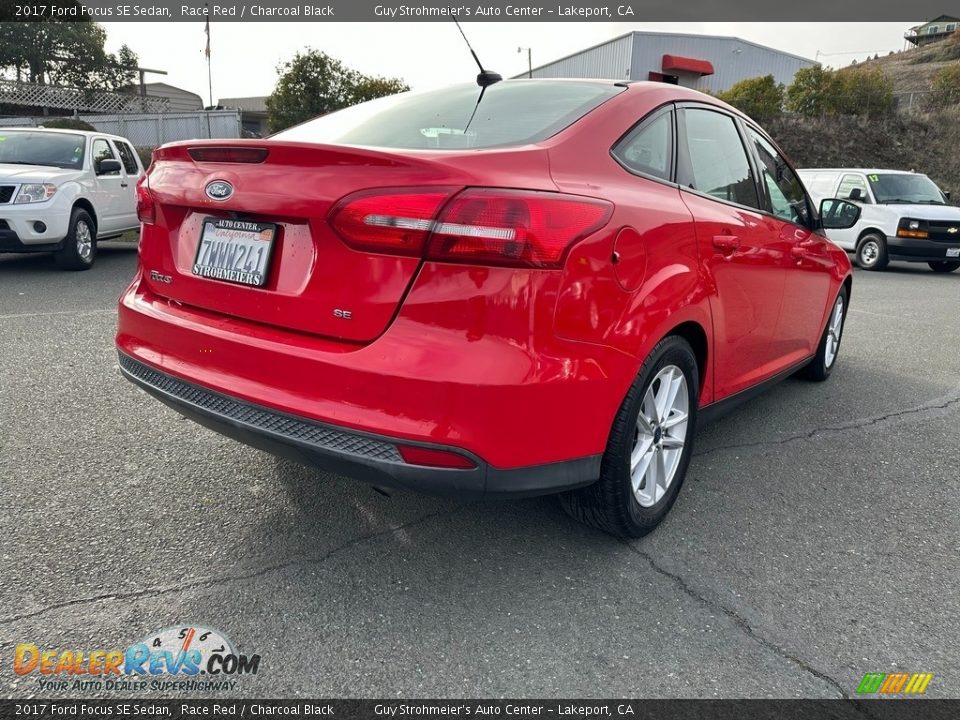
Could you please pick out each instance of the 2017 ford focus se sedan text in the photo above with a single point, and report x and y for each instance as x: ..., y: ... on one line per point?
x: 531, y: 290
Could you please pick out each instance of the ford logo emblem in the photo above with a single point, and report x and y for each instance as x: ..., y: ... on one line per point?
x: 219, y: 190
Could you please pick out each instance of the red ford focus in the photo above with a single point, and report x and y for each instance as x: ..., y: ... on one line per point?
x: 542, y: 291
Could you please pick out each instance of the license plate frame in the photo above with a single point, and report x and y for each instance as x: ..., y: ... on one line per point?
x: 244, y: 238
x: 953, y: 252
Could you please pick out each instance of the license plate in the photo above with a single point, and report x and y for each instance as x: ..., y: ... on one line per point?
x: 953, y: 252
x: 235, y: 250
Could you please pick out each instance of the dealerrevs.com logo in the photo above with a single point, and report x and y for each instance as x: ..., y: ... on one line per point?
x: 187, y: 658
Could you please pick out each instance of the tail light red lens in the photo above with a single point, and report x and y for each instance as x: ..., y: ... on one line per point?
x: 434, y: 458
x: 483, y: 226
x: 146, y: 204
x: 229, y: 154
x: 521, y: 228
x: 395, y: 222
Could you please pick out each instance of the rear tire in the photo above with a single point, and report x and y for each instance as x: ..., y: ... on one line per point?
x: 637, y: 487
x: 80, y: 245
x: 825, y: 360
x: 872, y: 252
x: 944, y: 266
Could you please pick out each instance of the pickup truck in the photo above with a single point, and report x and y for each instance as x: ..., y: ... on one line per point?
x: 63, y: 190
x: 905, y: 216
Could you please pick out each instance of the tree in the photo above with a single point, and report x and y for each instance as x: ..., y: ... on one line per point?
x: 864, y: 91
x: 761, y: 97
x: 812, y: 91
x: 945, y: 89
x: 70, y: 54
x: 313, y: 83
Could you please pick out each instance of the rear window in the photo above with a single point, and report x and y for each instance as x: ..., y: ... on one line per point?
x: 510, y: 113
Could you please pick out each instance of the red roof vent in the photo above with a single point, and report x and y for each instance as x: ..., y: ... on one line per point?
x: 677, y: 63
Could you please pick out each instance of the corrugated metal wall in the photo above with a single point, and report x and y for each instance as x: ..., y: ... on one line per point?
x: 634, y: 56
x: 610, y: 60
x: 733, y: 59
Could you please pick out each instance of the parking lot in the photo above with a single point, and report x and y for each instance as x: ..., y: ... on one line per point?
x: 816, y: 538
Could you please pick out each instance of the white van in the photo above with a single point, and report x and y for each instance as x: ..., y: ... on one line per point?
x: 905, y: 216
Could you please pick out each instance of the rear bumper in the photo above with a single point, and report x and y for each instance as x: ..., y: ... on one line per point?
x: 918, y: 250
x: 363, y: 456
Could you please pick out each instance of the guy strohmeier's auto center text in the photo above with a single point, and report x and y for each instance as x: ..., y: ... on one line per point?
x: 253, y: 10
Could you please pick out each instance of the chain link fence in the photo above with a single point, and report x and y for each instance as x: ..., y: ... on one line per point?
x: 153, y: 129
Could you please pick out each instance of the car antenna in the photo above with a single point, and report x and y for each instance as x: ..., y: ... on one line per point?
x: 486, y: 77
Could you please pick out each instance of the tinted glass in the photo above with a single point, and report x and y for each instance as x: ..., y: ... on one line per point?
x: 905, y: 188
x: 510, y: 113
x: 61, y: 150
x: 649, y: 148
x: 127, y: 157
x: 102, y: 151
x: 718, y: 160
x: 851, y: 183
x: 788, y: 201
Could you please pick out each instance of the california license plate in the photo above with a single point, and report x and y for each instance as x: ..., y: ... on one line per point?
x: 235, y: 250
x: 953, y: 252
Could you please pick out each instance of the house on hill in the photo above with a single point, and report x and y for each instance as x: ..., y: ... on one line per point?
x: 932, y: 31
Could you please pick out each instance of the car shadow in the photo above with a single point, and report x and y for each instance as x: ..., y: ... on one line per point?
x: 109, y: 254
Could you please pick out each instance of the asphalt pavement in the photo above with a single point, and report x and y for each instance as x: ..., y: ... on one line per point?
x: 816, y: 538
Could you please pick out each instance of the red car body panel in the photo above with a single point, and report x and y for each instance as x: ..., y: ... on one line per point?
x: 517, y: 367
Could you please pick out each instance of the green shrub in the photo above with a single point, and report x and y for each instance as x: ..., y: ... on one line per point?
x: 945, y: 88
x: 146, y: 155
x: 812, y: 91
x: 67, y: 124
x: 761, y: 97
x: 863, y: 91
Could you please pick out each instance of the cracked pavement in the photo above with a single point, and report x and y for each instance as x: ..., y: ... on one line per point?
x: 816, y: 538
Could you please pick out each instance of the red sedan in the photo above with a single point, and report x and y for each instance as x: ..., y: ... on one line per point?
x: 537, y: 289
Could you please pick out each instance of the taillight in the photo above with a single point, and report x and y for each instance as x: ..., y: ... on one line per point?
x: 146, y: 204
x: 483, y: 226
x: 228, y: 154
x: 489, y: 226
x: 396, y: 222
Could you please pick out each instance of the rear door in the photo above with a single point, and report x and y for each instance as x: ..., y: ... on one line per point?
x: 741, y: 254
x: 807, y: 262
x: 127, y: 200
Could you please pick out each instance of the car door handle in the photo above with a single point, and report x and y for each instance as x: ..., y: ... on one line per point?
x: 727, y: 244
x: 123, y: 184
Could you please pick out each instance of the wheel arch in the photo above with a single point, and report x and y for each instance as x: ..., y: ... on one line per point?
x: 870, y: 231
x: 87, y: 206
x: 695, y: 334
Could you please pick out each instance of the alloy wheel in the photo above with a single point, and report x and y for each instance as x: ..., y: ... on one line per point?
x: 659, y: 436
x: 84, y: 240
x: 833, y: 333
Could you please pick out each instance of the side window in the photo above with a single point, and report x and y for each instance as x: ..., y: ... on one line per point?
x: 102, y: 151
x: 127, y: 157
x: 648, y: 149
x: 718, y: 161
x: 849, y: 184
x: 788, y: 201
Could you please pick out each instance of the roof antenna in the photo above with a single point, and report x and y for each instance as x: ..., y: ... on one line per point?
x: 486, y: 77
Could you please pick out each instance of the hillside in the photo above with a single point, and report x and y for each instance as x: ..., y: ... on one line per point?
x: 915, y: 140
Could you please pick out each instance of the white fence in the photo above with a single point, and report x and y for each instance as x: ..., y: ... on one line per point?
x: 153, y: 129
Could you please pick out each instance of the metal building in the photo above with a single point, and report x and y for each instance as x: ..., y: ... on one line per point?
x: 704, y: 62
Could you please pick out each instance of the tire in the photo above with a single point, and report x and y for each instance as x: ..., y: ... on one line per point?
x: 612, y: 504
x: 80, y: 245
x: 825, y: 360
x: 944, y: 266
x: 872, y: 252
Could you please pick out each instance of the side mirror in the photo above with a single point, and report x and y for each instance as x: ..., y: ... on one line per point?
x: 108, y: 166
x: 856, y: 194
x: 946, y: 194
x: 837, y: 214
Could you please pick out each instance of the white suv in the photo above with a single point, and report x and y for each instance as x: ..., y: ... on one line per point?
x: 62, y: 190
x: 905, y: 216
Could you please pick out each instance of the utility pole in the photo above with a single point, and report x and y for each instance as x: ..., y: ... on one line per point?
x: 529, y: 60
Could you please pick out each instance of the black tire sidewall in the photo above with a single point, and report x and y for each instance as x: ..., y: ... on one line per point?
x: 616, y: 462
x: 68, y: 257
x: 944, y: 266
x: 881, y: 261
x: 819, y: 369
